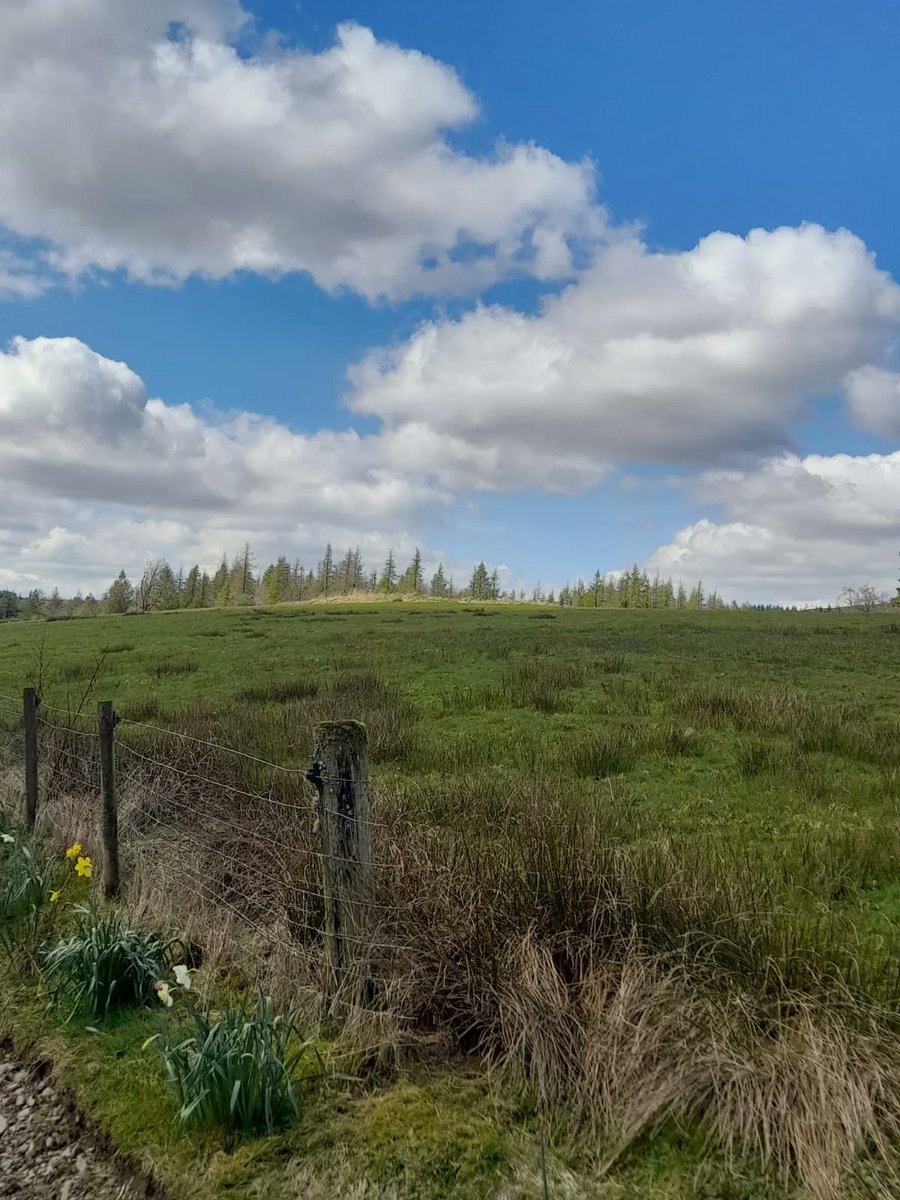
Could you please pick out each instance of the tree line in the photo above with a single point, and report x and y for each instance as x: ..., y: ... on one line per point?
x: 239, y: 582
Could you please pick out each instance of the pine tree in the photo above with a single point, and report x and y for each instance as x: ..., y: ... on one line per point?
x: 326, y: 570
x: 439, y: 583
x: 190, y: 595
x: 120, y: 597
x: 276, y: 581
x: 388, y: 580
x: 479, y: 586
x: 413, y: 579
x: 220, y: 581
x: 166, y: 592
x: 243, y: 583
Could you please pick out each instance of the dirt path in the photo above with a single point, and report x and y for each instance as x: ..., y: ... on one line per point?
x: 46, y: 1153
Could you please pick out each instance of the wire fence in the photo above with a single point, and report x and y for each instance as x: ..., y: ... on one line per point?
x: 296, y: 877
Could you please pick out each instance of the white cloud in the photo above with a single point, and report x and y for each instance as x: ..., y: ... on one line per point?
x: 129, y: 142
x: 116, y: 475
x: 693, y: 357
x: 798, y: 530
x: 874, y: 397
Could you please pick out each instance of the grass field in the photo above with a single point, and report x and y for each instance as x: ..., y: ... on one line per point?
x: 645, y: 863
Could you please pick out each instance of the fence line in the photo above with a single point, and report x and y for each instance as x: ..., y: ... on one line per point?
x: 95, y: 764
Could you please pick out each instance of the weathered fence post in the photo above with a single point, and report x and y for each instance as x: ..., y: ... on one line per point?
x: 29, y: 713
x: 107, y: 723
x: 340, y: 774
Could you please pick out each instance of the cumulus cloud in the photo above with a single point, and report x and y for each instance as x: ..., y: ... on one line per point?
x: 874, y: 397
x: 117, y: 474
x: 693, y: 357
x: 140, y: 137
x: 798, y: 530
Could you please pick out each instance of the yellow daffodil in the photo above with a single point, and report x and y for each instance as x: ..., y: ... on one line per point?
x: 74, y: 850
x: 162, y: 990
x: 84, y: 867
x: 54, y: 896
x: 182, y: 977
x: 6, y: 837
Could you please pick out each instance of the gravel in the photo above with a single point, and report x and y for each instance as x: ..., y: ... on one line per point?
x: 46, y: 1150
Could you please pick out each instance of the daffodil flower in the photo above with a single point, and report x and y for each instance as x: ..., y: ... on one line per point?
x: 74, y: 850
x: 165, y: 995
x: 54, y: 896
x: 182, y: 977
x: 7, y: 837
x: 84, y: 867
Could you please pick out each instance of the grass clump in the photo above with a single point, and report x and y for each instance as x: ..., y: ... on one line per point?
x: 238, y: 1071
x: 23, y: 890
x: 103, y: 965
x: 283, y: 692
x: 604, y: 753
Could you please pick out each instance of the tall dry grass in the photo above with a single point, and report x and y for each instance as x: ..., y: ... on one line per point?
x: 627, y: 980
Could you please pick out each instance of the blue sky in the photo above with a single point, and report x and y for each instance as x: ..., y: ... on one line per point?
x: 754, y: 445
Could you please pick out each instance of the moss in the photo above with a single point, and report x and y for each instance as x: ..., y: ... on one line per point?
x: 439, y: 1138
x: 422, y: 1140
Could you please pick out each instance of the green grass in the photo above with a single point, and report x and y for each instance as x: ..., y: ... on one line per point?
x: 723, y: 785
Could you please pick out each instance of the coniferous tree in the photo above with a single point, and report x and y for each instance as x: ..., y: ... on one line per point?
x: 276, y: 581
x: 439, y: 583
x: 243, y: 583
x: 413, y: 579
x: 166, y: 592
x: 388, y: 580
x: 120, y: 597
x: 479, y: 585
x: 190, y: 593
x: 220, y: 580
x: 326, y: 571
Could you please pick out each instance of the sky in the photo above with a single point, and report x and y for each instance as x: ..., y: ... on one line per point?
x: 561, y: 288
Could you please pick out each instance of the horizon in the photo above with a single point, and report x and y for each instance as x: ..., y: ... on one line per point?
x: 562, y: 293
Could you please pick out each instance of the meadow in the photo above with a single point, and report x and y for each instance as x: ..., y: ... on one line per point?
x: 642, y: 865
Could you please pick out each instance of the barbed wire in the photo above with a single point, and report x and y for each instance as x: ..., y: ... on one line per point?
x: 293, y: 947
x: 243, y: 831
x: 228, y: 787
x: 91, y: 735
x: 218, y: 746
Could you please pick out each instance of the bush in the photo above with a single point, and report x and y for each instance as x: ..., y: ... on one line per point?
x: 236, y: 1071
x: 104, y: 965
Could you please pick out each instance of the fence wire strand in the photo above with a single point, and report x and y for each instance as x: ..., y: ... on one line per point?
x: 68, y: 772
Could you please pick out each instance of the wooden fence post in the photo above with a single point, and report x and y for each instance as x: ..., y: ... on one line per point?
x: 29, y: 713
x: 340, y: 774
x: 107, y: 724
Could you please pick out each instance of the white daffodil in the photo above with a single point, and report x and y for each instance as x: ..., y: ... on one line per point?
x: 182, y: 977
x: 7, y: 837
x: 165, y: 996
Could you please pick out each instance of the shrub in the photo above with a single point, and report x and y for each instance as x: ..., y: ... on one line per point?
x: 104, y: 965
x: 237, y: 1070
